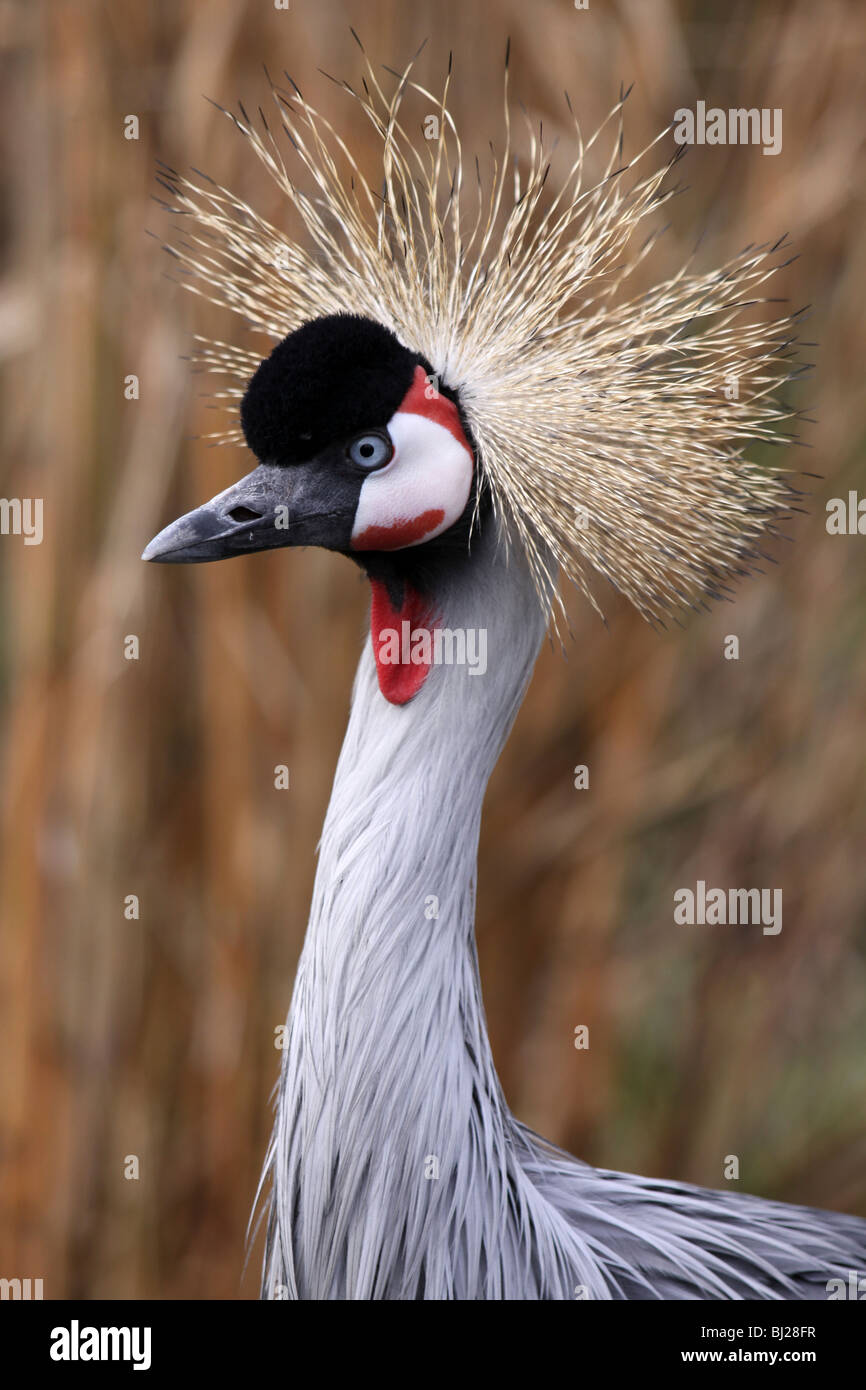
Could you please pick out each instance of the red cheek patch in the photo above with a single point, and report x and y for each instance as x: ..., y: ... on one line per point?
x: 391, y: 630
x: 423, y: 399
x: 399, y: 533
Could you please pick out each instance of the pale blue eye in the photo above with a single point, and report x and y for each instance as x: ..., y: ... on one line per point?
x: 371, y: 450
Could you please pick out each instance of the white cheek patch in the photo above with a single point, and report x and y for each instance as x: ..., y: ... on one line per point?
x: 420, y: 493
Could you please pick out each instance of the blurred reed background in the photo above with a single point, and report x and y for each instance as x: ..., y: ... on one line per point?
x: 155, y: 777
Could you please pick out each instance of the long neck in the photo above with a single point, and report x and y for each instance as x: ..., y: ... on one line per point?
x: 388, y: 1077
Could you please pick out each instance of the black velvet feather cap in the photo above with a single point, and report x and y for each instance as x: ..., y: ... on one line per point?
x: 329, y: 380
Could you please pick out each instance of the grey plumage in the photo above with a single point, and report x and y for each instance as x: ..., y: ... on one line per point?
x: 388, y: 1065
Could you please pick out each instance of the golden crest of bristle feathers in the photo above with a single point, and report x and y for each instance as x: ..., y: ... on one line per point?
x: 611, y: 431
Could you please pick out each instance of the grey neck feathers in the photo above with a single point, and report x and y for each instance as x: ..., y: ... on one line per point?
x: 390, y: 1111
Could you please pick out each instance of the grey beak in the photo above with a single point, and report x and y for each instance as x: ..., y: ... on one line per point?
x: 250, y: 515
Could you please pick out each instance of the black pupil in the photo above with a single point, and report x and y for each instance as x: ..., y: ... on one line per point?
x: 367, y: 450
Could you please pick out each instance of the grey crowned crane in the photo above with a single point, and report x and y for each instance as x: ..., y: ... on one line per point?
x: 462, y: 401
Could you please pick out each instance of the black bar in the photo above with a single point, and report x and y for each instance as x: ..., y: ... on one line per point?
x: 249, y: 1338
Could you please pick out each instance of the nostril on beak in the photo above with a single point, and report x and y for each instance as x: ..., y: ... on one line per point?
x: 244, y: 514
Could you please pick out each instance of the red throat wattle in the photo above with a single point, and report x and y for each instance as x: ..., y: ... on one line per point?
x: 392, y: 627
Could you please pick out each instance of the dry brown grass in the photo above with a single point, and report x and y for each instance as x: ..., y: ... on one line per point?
x: 155, y: 777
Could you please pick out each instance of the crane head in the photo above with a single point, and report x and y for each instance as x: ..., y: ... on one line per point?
x: 360, y: 451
